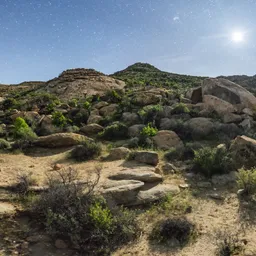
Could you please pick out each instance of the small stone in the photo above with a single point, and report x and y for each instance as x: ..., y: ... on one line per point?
x: 240, y: 192
x: 60, y: 244
x: 189, y: 175
x: 31, y: 166
x: 216, y: 196
x: 57, y: 167
x: 24, y: 245
x: 204, y: 184
x: 184, y: 186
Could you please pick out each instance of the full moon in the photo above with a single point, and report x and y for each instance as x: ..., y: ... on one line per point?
x: 237, y: 37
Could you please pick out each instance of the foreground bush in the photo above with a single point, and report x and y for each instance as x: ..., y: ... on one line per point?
x: 22, y: 130
x: 178, y: 229
x: 210, y: 161
x: 74, y: 213
x: 115, y: 131
x: 246, y: 180
x: 88, y: 150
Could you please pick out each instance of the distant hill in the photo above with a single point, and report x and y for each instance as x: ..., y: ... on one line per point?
x: 146, y: 74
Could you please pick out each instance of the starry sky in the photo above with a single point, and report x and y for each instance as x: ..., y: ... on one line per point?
x: 41, y: 38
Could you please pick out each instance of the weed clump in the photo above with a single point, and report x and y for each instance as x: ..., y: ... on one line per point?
x: 246, y: 180
x: 179, y: 230
x: 74, y: 212
x: 86, y: 151
x: 115, y: 131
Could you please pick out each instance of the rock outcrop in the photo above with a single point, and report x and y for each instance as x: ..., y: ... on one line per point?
x: 59, y: 140
x: 78, y: 83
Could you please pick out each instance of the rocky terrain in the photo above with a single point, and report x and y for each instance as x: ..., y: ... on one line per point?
x: 151, y: 164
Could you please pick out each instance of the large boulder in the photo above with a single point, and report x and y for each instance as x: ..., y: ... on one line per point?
x: 167, y: 139
x: 30, y: 116
x: 146, y: 157
x: 109, y: 110
x: 146, y: 98
x: 94, y: 119
x: 229, y: 130
x: 211, y: 103
x: 46, y: 126
x: 231, y: 118
x: 229, y: 92
x: 118, y: 153
x: 59, y: 140
x: 91, y: 129
x: 243, y: 151
x: 199, y: 127
x: 139, y: 174
x: 135, y: 130
x: 130, y: 118
x: 156, y: 193
x: 195, y: 95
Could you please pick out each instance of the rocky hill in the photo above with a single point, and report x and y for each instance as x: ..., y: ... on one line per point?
x: 146, y: 74
x: 79, y: 83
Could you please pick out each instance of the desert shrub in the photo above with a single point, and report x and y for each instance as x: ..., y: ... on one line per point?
x: 115, y: 131
x: 88, y: 150
x: 58, y: 119
x: 75, y: 213
x: 22, y: 130
x: 179, y: 229
x: 210, y: 161
x: 150, y: 114
x: 113, y: 96
x: 246, y: 180
x: 4, y: 144
x: 9, y: 103
x: 149, y: 131
x: 228, y: 244
x: 180, y: 108
x: 87, y: 105
x: 24, y: 181
x: 80, y: 117
x: 173, y: 154
x: 73, y: 103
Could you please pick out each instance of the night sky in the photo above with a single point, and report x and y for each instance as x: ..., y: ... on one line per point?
x: 40, y: 38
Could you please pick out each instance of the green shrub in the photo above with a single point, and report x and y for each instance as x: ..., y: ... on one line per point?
x: 58, y: 119
x: 22, y: 130
x: 150, y: 114
x: 115, y: 131
x: 246, y: 180
x: 73, y: 103
x: 149, y: 131
x: 75, y: 213
x: 88, y: 150
x: 87, y: 105
x: 212, y: 161
x: 10, y: 103
x: 4, y: 144
x: 180, y: 108
x: 174, y: 228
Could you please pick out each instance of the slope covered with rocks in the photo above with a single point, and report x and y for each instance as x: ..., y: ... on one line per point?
x: 173, y: 147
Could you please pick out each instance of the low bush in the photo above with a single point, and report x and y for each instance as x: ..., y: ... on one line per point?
x: 180, y: 108
x: 149, y: 131
x: 210, y: 161
x: 115, y: 131
x: 88, y: 150
x: 76, y: 214
x: 179, y: 229
x: 228, y: 244
x: 246, y: 180
x: 10, y: 103
x: 22, y: 130
x: 58, y: 119
x: 24, y: 181
x: 4, y: 144
x: 150, y: 114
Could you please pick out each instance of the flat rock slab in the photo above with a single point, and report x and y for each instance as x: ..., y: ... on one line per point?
x: 6, y: 208
x: 144, y: 176
x: 156, y: 193
x: 117, y: 183
x: 123, y: 193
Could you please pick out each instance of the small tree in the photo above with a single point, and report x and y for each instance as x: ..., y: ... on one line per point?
x: 22, y: 130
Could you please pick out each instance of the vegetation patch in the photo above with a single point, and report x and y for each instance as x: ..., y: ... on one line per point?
x: 76, y: 214
x: 115, y: 131
x: 177, y: 230
x: 87, y: 151
x: 246, y: 180
x: 210, y: 161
